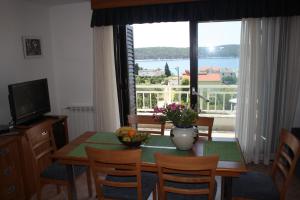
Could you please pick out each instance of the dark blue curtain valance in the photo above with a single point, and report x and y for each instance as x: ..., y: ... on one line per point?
x: 204, y: 10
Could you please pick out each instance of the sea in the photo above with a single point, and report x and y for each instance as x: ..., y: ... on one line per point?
x: 184, y: 64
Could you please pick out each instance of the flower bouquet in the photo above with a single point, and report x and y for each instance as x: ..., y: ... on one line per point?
x: 179, y: 115
x: 184, y: 134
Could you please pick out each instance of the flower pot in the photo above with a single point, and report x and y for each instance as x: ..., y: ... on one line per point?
x: 183, y: 138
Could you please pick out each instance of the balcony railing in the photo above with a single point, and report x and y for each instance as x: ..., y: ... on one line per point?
x: 148, y: 96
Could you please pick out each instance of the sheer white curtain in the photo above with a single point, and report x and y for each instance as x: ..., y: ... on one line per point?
x: 268, y: 84
x: 288, y: 81
x: 257, y: 82
x: 105, y: 88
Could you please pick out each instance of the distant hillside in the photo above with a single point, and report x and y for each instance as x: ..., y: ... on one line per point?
x: 177, y: 53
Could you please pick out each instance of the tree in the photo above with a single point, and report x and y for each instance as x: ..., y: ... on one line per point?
x: 167, y: 70
x: 185, y: 81
x: 228, y: 80
x: 136, y: 68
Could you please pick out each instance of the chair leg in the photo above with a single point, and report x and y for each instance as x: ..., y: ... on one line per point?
x: 154, y: 193
x: 69, y: 192
x: 58, y: 189
x: 39, y: 191
x: 89, y: 182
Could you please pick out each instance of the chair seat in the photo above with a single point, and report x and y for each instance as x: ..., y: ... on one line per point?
x: 254, y: 185
x: 173, y: 196
x: 59, y: 172
x: 148, y: 184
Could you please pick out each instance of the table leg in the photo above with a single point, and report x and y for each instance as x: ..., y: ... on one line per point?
x: 226, y: 188
x: 71, y: 179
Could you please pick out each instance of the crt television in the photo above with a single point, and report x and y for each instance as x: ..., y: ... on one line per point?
x: 28, y: 100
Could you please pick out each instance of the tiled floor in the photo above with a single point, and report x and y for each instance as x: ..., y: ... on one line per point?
x: 49, y: 191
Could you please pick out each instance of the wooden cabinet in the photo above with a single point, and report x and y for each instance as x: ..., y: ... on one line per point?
x: 34, y: 132
x: 11, y: 182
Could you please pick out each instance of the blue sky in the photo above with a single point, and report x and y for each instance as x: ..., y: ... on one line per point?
x: 176, y: 34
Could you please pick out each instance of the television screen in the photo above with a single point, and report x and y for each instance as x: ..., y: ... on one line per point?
x: 28, y: 100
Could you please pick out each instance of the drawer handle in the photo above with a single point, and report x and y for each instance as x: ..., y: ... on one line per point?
x: 44, y: 133
x: 4, y: 152
x: 11, y: 189
x: 7, y: 171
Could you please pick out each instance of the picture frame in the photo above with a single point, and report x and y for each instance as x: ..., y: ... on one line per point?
x: 32, y: 46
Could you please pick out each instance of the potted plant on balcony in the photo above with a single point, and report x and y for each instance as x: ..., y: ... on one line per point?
x: 183, y: 118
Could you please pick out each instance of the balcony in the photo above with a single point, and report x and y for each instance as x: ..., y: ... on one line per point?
x: 220, y: 107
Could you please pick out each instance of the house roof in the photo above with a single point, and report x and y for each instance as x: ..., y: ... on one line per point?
x: 205, y: 77
x: 209, y: 77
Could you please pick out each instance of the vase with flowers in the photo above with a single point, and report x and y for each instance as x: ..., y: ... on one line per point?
x: 183, y: 118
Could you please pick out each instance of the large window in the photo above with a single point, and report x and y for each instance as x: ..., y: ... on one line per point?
x: 163, y: 57
x: 162, y: 60
x: 218, y: 64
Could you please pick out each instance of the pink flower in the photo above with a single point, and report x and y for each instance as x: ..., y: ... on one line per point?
x: 173, y: 107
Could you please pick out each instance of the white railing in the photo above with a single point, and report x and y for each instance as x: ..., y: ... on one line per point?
x: 148, y: 96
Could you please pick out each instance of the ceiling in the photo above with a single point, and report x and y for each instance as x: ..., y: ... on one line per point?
x: 56, y: 2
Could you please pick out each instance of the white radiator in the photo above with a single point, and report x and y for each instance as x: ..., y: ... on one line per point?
x: 80, y: 120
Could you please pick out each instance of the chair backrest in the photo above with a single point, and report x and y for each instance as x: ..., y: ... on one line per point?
x: 41, y: 145
x: 285, y: 161
x: 208, y: 122
x: 186, y: 170
x: 126, y: 163
x: 136, y: 120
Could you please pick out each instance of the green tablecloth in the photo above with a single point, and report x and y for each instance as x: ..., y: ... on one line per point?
x: 147, y: 152
x: 227, y: 151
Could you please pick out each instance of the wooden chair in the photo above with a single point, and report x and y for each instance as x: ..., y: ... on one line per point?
x: 49, y: 172
x: 186, y: 177
x: 124, y: 179
x: 205, y: 121
x: 136, y: 120
x: 255, y: 185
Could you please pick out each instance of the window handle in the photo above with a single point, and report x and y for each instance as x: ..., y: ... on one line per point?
x: 199, y: 95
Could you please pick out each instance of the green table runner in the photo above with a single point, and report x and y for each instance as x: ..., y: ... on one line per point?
x: 79, y: 151
x: 111, y: 138
x: 104, y: 137
x: 161, y: 141
x: 227, y: 151
x: 147, y: 153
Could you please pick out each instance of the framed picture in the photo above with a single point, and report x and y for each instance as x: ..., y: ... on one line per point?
x: 32, y: 46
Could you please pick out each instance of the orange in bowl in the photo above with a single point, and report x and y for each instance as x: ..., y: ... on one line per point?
x: 131, y: 133
x: 131, y: 137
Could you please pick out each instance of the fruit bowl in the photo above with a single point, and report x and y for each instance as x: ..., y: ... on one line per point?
x: 131, y: 137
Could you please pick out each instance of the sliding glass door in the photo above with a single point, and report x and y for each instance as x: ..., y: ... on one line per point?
x: 191, y: 63
x: 218, y: 64
x: 162, y: 64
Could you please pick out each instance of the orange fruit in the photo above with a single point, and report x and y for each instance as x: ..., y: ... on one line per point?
x: 131, y: 133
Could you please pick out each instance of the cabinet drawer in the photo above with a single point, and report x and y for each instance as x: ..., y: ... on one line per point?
x: 39, y: 133
x: 10, y: 191
x: 8, y: 172
x: 8, y: 156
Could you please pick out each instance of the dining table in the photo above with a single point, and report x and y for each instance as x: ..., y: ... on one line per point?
x: 231, y: 161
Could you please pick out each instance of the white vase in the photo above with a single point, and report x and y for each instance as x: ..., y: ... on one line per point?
x: 183, y: 138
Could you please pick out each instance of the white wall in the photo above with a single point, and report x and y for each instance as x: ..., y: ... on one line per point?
x: 20, y: 18
x: 72, y: 53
